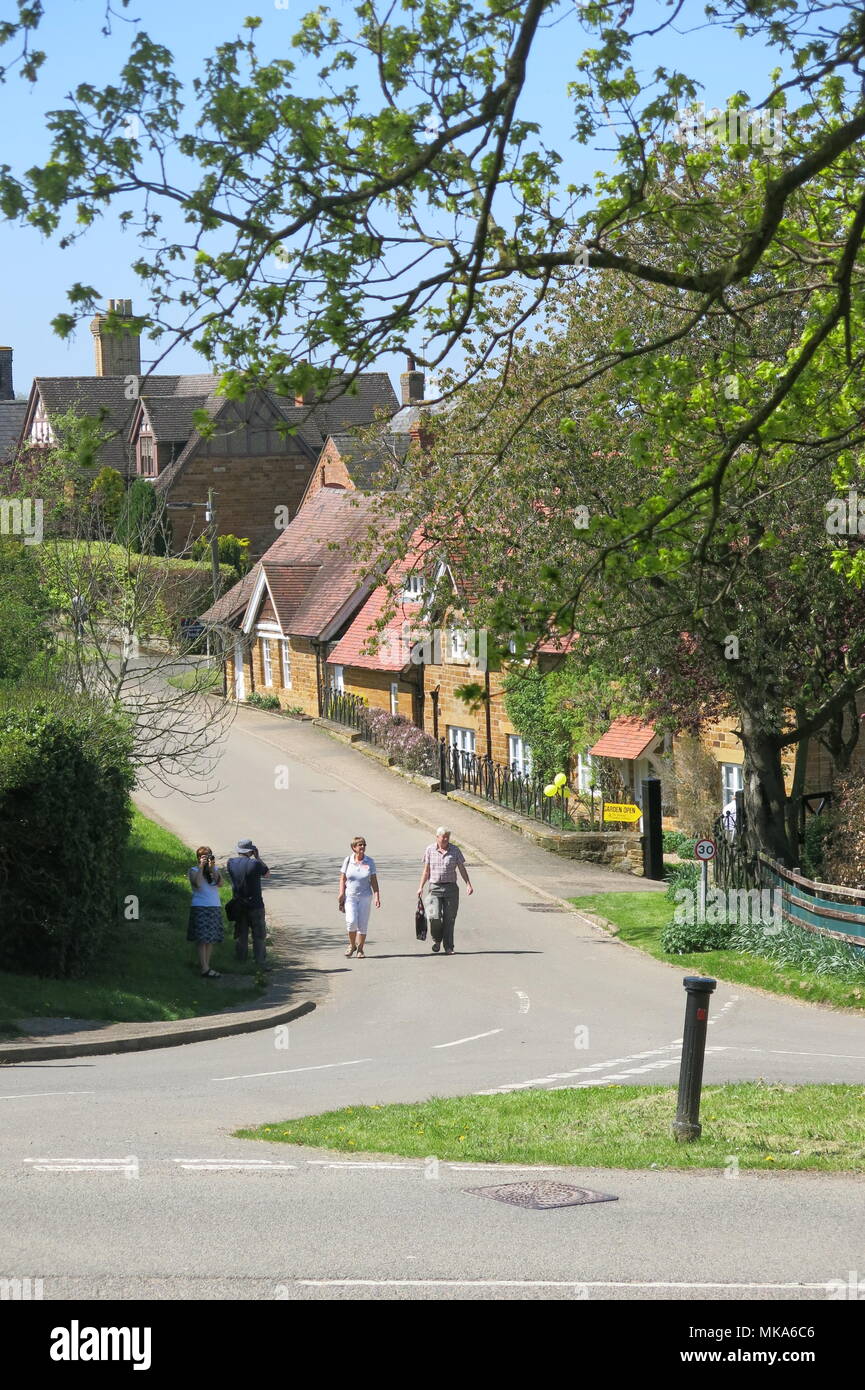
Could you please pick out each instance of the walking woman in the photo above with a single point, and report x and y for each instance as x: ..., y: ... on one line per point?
x: 358, y: 887
x: 205, y: 913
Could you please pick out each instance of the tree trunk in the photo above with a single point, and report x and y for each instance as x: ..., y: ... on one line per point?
x: 765, y: 795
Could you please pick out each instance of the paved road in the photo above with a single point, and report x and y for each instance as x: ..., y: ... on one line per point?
x: 532, y: 998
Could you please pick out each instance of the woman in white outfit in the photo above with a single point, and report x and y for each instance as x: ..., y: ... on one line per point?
x: 358, y: 886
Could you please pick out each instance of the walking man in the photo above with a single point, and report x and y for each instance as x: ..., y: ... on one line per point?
x: 246, y: 872
x: 440, y: 864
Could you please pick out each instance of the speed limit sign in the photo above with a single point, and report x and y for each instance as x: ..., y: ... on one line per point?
x: 705, y: 849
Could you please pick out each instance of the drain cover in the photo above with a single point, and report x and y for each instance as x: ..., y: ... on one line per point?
x: 541, y: 1195
x: 542, y: 907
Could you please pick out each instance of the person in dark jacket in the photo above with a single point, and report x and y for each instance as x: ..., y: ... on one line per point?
x: 246, y: 871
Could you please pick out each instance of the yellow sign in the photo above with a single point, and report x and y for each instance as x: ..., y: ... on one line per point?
x: 621, y: 811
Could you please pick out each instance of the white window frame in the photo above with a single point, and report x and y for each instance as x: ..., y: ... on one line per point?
x: 285, y: 662
x: 266, y: 663
x: 519, y: 755
x: 463, y: 740
x: 338, y: 679
x: 145, y: 437
x: 734, y: 783
x: 584, y: 772
x: 239, y: 672
x: 458, y: 645
x: 394, y: 697
x: 413, y: 588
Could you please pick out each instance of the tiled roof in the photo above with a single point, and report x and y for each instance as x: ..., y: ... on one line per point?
x: 364, y: 461
x: 93, y: 395
x: 625, y: 738
x: 394, y: 643
x: 288, y: 584
x: 12, y: 415
x: 313, y: 423
x: 311, y: 583
x: 171, y: 416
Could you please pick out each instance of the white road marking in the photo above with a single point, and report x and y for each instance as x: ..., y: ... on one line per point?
x: 250, y: 1075
x: 540, y: 1284
x: 258, y: 1165
x: 29, y: 1095
x: 474, y: 1037
x: 326, y: 1163
x: 525, y: 1002
x: 594, y: 1068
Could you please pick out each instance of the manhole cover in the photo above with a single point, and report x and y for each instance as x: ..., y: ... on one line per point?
x: 541, y: 1195
x: 542, y: 907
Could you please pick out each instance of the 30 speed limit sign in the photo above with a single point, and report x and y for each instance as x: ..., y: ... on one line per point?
x: 705, y: 849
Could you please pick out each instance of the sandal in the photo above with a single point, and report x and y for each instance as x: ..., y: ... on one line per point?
x: 210, y: 975
x: 351, y: 950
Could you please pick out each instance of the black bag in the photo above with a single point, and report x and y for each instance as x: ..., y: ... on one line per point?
x: 231, y: 909
x: 420, y: 920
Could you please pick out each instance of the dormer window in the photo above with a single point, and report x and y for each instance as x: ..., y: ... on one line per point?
x: 413, y: 588
x: 146, y: 455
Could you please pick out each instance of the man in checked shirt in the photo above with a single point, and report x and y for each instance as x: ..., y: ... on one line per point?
x: 440, y: 864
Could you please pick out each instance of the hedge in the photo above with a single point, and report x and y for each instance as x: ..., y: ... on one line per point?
x: 65, y: 780
x: 168, y: 590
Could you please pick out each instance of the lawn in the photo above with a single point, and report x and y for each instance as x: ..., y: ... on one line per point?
x: 203, y: 678
x: 641, y: 917
x: 751, y: 1125
x: 147, y: 970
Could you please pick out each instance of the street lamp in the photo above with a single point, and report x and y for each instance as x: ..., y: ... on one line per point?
x: 210, y: 519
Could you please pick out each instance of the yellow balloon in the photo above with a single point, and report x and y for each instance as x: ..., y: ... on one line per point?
x: 549, y: 790
x: 560, y: 779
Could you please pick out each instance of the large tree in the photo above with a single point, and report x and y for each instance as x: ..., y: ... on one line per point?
x: 746, y: 605
x: 288, y: 234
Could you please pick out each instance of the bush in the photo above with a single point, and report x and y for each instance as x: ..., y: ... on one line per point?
x: 263, y: 701
x: 408, y: 745
x: 232, y: 551
x: 65, y: 779
x: 142, y: 521
x: 681, y: 876
x: 677, y: 842
x: 814, y: 848
x: 682, y: 938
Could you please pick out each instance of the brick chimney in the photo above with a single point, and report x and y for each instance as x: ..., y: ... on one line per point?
x: 118, y: 353
x: 412, y: 385
x: 7, y: 392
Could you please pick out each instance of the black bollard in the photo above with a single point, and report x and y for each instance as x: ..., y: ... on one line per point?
x: 686, y: 1126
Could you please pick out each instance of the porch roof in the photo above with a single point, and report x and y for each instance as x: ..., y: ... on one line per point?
x: 626, y: 738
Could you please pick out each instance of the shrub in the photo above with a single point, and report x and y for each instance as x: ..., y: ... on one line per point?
x: 408, y: 745
x: 142, y: 521
x: 232, y: 551
x: 263, y: 701
x: 677, y: 842
x: 814, y: 848
x: 698, y: 785
x: 804, y: 950
x: 681, y: 876
x: 65, y: 779
x: 681, y: 938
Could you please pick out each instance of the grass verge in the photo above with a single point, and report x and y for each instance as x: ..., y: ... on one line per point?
x: 641, y: 917
x: 203, y: 678
x: 751, y: 1125
x: 147, y: 969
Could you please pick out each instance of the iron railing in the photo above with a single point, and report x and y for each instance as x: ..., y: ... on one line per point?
x: 522, y: 792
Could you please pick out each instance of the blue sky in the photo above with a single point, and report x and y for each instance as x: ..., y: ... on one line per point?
x: 36, y: 273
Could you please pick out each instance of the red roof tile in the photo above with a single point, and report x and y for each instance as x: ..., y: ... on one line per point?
x: 394, y: 641
x: 625, y: 738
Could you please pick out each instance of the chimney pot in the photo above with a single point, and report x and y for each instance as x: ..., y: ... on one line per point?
x: 412, y: 383
x: 119, y: 353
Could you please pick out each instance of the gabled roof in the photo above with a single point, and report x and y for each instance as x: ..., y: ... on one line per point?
x: 364, y: 461
x: 170, y: 417
x: 312, y: 569
x: 626, y: 738
x: 107, y: 396
x: 312, y: 423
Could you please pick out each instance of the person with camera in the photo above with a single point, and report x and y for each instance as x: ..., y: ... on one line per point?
x: 205, y: 912
x: 246, y: 872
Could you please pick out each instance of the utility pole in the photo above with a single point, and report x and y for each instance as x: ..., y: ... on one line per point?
x: 210, y: 518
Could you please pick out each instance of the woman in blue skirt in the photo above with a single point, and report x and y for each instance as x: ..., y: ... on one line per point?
x: 205, y: 913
